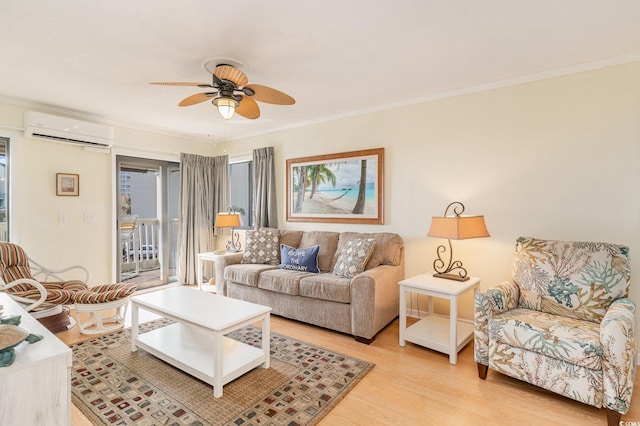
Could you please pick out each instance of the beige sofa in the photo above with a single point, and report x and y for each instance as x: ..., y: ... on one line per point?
x: 360, y: 306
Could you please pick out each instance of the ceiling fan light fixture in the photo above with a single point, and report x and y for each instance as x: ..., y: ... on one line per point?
x: 226, y: 106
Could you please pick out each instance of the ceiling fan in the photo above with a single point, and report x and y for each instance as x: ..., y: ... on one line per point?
x: 231, y: 93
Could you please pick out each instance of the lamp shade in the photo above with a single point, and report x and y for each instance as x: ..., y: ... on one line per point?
x: 458, y: 227
x: 228, y: 220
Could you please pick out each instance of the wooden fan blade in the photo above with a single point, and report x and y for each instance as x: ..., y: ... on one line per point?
x: 177, y: 83
x: 270, y: 95
x: 233, y: 74
x: 248, y: 108
x: 197, y: 98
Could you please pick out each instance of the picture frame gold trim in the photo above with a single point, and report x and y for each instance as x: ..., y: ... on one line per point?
x: 338, y: 188
x: 67, y: 184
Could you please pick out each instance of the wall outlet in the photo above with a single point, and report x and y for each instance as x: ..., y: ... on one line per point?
x: 90, y: 217
x: 62, y: 217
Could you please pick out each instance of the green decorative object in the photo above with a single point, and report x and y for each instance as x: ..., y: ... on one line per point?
x: 11, y: 336
x: 10, y: 319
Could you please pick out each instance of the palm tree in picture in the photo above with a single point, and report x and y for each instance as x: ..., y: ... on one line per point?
x: 317, y: 174
x: 299, y: 187
x: 362, y: 189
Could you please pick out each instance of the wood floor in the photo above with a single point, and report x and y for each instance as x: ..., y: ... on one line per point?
x: 418, y: 386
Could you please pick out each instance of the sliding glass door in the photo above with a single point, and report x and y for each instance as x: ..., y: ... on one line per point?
x: 148, y: 195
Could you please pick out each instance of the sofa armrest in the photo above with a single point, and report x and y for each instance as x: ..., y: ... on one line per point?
x: 220, y: 263
x: 488, y: 303
x: 617, y: 336
x: 374, y: 299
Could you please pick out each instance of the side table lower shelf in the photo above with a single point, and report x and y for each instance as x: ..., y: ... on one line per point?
x: 433, y: 332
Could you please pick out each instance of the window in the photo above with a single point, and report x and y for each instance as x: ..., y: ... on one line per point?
x: 241, y: 183
x: 4, y: 189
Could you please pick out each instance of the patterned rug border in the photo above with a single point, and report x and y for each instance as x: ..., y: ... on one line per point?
x: 237, y: 418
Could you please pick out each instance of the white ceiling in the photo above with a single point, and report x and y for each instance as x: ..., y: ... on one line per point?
x: 335, y: 57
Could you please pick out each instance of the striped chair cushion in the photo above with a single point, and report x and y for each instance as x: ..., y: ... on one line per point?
x: 104, y: 293
x: 14, y: 264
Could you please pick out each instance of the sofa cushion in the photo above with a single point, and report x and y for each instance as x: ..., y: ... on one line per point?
x: 328, y: 242
x: 245, y: 273
x: 262, y: 246
x: 291, y: 238
x: 301, y: 259
x: 574, y: 341
x: 387, y: 251
x: 326, y: 287
x: 282, y: 281
x: 353, y: 257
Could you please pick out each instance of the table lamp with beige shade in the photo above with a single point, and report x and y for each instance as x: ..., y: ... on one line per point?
x: 456, y: 227
x: 230, y: 220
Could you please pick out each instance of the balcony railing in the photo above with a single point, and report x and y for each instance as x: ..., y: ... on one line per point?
x: 140, y: 246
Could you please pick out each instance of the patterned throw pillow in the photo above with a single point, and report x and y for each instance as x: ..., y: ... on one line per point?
x: 301, y: 259
x: 261, y: 246
x: 353, y: 257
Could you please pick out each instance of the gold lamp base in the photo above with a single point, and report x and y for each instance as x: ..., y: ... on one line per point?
x: 454, y: 277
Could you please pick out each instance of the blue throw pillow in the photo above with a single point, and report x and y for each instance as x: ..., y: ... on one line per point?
x: 302, y: 259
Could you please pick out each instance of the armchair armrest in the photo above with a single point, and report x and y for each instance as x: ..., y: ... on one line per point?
x: 488, y: 303
x: 28, y: 303
x: 37, y: 269
x: 617, y: 336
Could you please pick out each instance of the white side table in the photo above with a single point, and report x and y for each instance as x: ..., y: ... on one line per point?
x: 447, y: 335
x: 201, y: 258
x: 217, y: 257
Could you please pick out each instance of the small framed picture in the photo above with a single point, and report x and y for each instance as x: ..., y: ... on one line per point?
x: 67, y: 184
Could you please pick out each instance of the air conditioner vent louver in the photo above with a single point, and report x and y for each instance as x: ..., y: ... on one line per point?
x: 67, y: 130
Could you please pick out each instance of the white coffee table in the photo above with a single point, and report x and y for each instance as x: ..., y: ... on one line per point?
x: 195, y: 343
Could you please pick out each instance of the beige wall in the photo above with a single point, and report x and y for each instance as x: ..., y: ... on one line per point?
x: 557, y: 159
x: 35, y: 208
x: 554, y: 159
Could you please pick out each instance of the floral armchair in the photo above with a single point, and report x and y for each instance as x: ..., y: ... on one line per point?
x: 563, y: 323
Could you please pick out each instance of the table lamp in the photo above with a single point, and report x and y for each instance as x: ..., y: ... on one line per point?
x: 230, y: 220
x: 456, y: 227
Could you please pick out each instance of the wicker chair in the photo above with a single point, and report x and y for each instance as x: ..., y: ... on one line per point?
x: 31, y: 285
x: 43, y: 292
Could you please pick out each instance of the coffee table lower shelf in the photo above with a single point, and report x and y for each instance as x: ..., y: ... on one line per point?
x: 191, y: 350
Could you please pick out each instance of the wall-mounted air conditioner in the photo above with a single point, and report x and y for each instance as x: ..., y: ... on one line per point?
x: 67, y: 130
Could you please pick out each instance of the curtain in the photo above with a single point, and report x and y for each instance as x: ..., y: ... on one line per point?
x: 204, y: 191
x: 264, y: 181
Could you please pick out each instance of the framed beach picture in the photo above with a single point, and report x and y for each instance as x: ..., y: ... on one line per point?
x: 339, y: 188
x: 67, y: 184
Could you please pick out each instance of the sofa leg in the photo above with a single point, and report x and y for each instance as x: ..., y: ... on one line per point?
x: 482, y: 370
x: 613, y: 417
x: 364, y: 340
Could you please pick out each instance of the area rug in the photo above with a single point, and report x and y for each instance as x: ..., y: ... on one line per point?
x: 113, y: 386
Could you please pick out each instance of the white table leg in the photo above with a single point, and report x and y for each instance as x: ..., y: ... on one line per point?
x: 134, y: 326
x: 403, y: 314
x: 217, y: 365
x: 453, y: 335
x: 199, y: 272
x: 266, y: 340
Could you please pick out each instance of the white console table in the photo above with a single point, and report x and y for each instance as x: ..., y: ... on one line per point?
x: 447, y: 335
x: 36, y: 388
